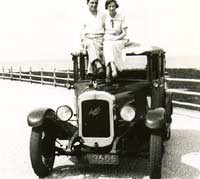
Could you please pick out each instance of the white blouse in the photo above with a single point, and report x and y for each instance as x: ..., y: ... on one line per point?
x: 114, y: 25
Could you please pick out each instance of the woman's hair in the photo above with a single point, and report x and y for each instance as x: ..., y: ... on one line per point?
x: 110, y: 1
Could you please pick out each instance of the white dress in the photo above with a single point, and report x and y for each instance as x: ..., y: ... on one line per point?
x: 112, y: 49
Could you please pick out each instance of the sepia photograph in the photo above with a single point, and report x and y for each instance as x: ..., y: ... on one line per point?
x: 100, y: 89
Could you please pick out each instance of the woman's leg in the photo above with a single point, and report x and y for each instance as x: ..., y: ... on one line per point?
x: 109, y: 56
x: 108, y: 52
x: 113, y: 55
x: 108, y: 73
x: 113, y: 70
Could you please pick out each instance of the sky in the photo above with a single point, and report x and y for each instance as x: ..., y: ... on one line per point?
x: 49, y: 29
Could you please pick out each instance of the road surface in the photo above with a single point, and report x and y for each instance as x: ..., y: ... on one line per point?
x: 181, y: 159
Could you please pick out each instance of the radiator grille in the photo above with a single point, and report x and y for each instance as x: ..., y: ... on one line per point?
x: 95, y: 118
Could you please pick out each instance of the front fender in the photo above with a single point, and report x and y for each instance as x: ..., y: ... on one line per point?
x: 37, y: 116
x: 155, y: 118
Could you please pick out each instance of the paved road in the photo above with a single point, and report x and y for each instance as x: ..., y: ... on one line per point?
x: 181, y: 159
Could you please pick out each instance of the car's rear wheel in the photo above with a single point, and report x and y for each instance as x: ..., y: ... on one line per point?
x: 155, y: 157
x: 42, y: 151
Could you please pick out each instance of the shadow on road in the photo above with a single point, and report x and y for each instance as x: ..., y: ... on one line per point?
x: 129, y: 167
x: 182, y: 155
x: 181, y: 160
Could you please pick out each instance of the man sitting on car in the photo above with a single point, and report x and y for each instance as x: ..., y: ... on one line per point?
x: 92, y: 40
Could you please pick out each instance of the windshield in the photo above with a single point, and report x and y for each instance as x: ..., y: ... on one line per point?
x: 135, y: 62
x: 134, y: 66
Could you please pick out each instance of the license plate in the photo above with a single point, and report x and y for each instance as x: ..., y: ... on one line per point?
x: 102, y: 158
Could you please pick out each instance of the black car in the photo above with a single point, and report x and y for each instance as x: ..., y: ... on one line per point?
x: 128, y: 117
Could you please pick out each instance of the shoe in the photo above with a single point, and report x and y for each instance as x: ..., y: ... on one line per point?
x: 90, y: 84
x: 100, y: 72
x: 91, y: 76
x: 98, y: 69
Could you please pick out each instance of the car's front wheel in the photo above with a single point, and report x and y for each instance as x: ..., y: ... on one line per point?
x: 155, y: 159
x: 42, y: 151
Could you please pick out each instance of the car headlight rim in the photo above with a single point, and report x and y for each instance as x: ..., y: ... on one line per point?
x: 64, y: 112
x: 127, y: 112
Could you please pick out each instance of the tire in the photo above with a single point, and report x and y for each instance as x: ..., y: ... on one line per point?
x: 42, y: 152
x: 167, y: 133
x: 155, y: 157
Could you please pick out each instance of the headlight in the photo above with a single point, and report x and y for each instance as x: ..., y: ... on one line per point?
x: 127, y: 113
x: 64, y: 113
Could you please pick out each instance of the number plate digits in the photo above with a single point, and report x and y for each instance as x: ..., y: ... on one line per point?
x: 102, y: 158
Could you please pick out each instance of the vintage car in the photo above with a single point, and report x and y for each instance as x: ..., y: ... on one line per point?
x: 129, y: 117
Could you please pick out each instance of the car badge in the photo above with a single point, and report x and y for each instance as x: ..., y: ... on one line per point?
x: 94, y: 111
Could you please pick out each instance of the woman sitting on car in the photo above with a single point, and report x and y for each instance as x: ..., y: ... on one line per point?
x: 114, y: 41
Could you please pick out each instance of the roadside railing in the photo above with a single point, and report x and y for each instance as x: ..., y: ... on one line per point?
x: 65, y: 79
x: 55, y: 77
x: 186, y: 93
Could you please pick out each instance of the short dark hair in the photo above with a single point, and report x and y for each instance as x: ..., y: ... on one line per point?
x: 110, y: 1
x: 88, y: 1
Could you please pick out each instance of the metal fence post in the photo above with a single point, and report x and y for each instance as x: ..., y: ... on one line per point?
x: 10, y: 71
x: 30, y: 75
x: 54, y: 76
x: 3, y: 72
x: 20, y: 73
x: 68, y: 84
x: 42, y: 76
